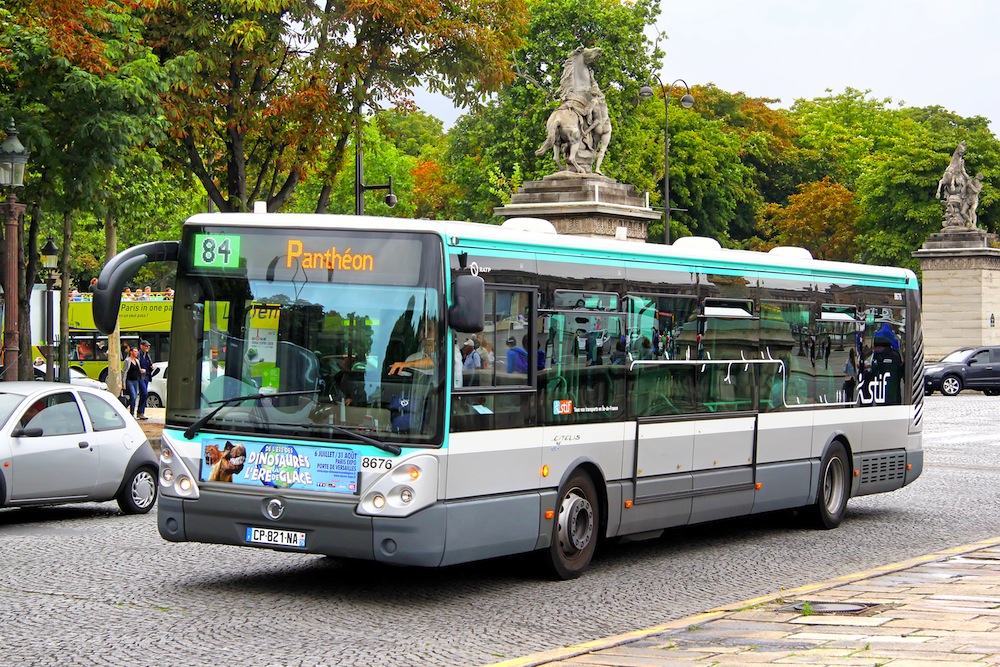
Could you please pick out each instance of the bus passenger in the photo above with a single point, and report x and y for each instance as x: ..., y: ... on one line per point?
x: 517, y: 357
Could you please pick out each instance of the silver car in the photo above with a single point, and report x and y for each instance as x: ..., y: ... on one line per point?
x: 76, y: 376
x: 64, y: 443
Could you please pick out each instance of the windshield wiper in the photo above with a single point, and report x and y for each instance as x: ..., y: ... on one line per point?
x: 195, y: 427
x: 384, y: 446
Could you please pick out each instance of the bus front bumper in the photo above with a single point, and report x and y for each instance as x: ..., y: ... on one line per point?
x: 332, y: 528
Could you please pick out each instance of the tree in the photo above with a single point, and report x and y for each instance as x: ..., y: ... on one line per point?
x: 381, y: 159
x: 273, y: 87
x: 844, y: 129
x: 709, y: 184
x: 822, y: 218
x: 88, y: 89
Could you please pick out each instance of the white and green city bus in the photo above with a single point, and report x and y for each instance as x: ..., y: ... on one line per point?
x: 319, y: 401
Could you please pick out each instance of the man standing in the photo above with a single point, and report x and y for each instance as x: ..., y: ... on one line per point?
x: 145, y: 374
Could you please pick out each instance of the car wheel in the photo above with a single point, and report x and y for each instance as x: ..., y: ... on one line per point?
x: 951, y: 385
x: 834, y: 488
x: 154, y: 401
x: 576, y: 528
x: 139, y: 494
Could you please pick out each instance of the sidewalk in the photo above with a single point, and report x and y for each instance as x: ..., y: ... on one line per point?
x: 940, y: 609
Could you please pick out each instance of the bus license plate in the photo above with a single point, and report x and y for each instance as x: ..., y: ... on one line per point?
x: 283, y: 538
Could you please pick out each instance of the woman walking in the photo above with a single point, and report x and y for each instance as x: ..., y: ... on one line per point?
x: 132, y: 373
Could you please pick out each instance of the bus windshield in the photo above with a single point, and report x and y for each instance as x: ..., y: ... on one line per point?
x: 322, y: 350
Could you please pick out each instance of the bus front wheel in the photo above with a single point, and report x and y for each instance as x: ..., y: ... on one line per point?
x: 576, y: 528
x: 834, y: 487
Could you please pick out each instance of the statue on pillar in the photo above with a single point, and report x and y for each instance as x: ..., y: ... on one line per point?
x: 960, y: 192
x: 578, y: 132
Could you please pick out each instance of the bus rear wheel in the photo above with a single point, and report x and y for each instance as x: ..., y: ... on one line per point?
x: 834, y: 487
x: 576, y: 528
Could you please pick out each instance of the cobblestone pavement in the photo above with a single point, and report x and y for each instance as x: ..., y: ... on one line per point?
x: 939, y: 609
x: 85, y: 585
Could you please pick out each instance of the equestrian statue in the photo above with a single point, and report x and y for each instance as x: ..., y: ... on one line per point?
x: 578, y: 132
x: 959, y: 191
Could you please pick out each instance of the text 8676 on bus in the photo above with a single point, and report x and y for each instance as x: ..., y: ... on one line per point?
x: 428, y: 393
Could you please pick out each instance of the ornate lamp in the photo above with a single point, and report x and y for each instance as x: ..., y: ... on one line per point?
x: 13, y: 159
x: 687, y: 101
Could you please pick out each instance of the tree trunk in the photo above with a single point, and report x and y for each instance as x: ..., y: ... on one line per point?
x: 114, y: 379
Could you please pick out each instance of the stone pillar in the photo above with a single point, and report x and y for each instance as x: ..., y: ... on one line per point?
x: 961, y: 290
x: 583, y: 204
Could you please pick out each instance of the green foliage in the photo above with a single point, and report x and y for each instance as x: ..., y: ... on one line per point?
x: 380, y: 160
x: 708, y: 181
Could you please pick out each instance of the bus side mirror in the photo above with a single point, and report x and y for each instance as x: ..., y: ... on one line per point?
x: 121, y: 269
x: 468, y: 314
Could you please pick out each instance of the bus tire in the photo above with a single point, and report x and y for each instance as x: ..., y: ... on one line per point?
x: 834, y: 487
x: 575, y: 529
x: 103, y: 377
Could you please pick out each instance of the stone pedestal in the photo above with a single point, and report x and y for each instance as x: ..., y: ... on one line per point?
x: 961, y: 290
x: 585, y: 205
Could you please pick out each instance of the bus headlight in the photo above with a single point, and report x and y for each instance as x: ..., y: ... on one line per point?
x: 409, y: 486
x: 176, y: 478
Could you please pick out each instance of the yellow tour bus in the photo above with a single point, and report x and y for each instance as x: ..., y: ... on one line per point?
x: 146, y: 319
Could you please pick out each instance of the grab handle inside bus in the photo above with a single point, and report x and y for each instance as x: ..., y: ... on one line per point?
x: 121, y: 269
x: 468, y: 314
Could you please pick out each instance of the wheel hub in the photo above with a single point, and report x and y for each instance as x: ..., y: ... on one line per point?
x: 143, y: 490
x: 576, y: 523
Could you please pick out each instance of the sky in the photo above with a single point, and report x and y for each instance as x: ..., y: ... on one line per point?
x: 920, y: 52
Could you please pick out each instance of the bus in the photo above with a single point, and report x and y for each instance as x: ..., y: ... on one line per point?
x: 139, y: 320
x: 319, y: 401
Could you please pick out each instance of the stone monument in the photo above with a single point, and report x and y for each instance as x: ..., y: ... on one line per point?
x: 961, y: 269
x: 578, y: 198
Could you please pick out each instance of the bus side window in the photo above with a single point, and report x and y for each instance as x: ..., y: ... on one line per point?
x: 489, y: 366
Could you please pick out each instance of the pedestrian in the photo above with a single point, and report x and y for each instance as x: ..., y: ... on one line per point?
x: 145, y: 375
x: 132, y: 372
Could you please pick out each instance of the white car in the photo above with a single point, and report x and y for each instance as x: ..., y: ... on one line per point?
x: 76, y: 377
x: 158, y: 386
x: 64, y: 443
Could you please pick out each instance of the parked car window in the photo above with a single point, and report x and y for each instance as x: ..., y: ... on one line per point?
x: 56, y: 414
x: 995, y: 355
x: 8, y: 404
x: 103, y: 416
x: 981, y: 357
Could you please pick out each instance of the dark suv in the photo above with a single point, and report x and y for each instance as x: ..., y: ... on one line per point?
x: 965, y: 368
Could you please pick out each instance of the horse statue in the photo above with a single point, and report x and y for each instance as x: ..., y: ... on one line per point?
x: 579, y: 130
x: 955, y: 178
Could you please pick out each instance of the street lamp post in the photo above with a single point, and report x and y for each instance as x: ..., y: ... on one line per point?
x: 687, y: 101
x: 359, y: 180
x: 50, y: 258
x: 13, y: 158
